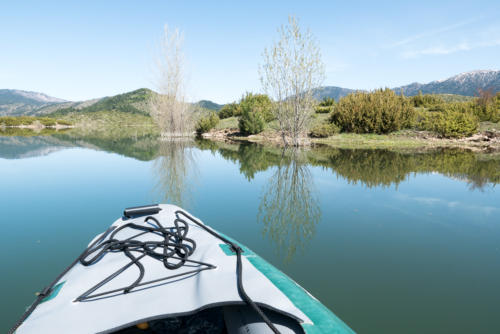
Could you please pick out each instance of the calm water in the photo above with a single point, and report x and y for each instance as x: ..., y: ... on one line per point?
x: 390, y: 242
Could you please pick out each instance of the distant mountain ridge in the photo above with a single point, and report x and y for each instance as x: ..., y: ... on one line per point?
x: 19, y: 102
x: 467, y: 83
x: 15, y: 101
x: 207, y: 104
x: 331, y: 91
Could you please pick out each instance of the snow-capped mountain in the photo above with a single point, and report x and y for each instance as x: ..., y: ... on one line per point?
x: 467, y: 83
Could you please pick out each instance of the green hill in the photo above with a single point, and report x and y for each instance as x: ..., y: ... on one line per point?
x: 132, y: 102
x: 206, y: 104
x: 135, y: 102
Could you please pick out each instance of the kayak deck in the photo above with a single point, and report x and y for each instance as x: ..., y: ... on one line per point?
x: 166, y: 268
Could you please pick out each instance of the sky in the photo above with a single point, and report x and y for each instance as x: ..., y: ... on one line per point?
x: 89, y: 49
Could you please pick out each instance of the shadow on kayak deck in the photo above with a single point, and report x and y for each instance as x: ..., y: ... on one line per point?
x: 217, y: 320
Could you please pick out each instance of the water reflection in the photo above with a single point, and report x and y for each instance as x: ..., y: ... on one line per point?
x: 369, y: 167
x: 374, y: 168
x: 289, y: 207
x: 252, y: 158
x: 175, y: 171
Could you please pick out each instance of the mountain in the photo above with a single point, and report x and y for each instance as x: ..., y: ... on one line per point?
x: 331, y: 91
x: 467, y: 83
x: 133, y: 102
x: 206, y: 104
x: 20, y: 102
x: 17, y: 103
x: 463, y: 84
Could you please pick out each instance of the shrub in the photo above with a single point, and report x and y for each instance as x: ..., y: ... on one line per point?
x: 487, y: 106
x: 323, y: 109
x: 426, y: 100
x: 17, y: 120
x: 63, y: 122
x: 257, y: 103
x: 455, y: 121
x: 28, y: 120
x: 206, y: 123
x: 325, y: 106
x: 324, y: 130
x: 47, y: 121
x: 229, y: 110
x: 251, y: 122
x: 380, y: 111
x: 327, y: 102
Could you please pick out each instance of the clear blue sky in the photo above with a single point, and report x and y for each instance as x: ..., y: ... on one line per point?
x: 91, y: 49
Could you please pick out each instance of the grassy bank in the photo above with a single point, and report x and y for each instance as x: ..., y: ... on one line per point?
x: 227, y: 129
x: 111, y: 123
x: 31, y: 121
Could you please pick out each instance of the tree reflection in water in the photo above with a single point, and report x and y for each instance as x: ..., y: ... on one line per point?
x: 175, y: 171
x: 289, y: 207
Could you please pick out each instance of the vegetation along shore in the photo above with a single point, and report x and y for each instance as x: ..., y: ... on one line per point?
x: 383, y: 119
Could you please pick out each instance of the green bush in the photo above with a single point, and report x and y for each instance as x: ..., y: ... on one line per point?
x: 251, y: 123
x: 456, y: 120
x: 229, y: 110
x: 257, y: 103
x: 206, y: 123
x: 325, y: 106
x: 28, y: 120
x: 324, y: 130
x: 487, y: 106
x: 63, y: 122
x: 327, y: 102
x: 16, y: 120
x: 323, y: 109
x: 47, y: 121
x: 426, y: 100
x: 380, y: 111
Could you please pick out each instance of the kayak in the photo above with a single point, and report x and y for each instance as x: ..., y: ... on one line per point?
x: 159, y: 269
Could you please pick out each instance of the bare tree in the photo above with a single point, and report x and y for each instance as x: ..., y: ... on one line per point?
x: 169, y: 107
x: 292, y: 69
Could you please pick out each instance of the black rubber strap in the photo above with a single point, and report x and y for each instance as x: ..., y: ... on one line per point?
x: 239, y: 270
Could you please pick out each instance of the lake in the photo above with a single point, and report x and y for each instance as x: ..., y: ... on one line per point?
x: 391, y: 242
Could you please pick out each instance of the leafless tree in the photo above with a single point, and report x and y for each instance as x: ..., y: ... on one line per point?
x: 169, y: 107
x: 292, y: 69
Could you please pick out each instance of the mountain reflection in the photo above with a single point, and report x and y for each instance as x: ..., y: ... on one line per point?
x: 289, y: 207
x: 369, y: 167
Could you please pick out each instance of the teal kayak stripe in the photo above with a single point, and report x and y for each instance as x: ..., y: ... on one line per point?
x: 324, y: 320
x: 55, y: 291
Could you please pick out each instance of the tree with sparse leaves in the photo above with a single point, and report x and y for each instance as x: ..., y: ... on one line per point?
x: 169, y: 108
x: 292, y: 69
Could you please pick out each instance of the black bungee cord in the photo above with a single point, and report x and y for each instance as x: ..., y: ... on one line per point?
x: 173, y: 250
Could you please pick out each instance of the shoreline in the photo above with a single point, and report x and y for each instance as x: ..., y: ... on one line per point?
x: 485, y: 141
x: 38, y: 127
